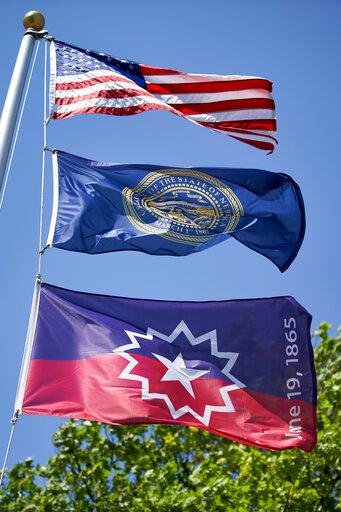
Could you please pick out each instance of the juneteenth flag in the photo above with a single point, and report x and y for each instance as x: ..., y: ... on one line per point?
x: 101, y: 207
x: 88, y: 82
x: 242, y: 369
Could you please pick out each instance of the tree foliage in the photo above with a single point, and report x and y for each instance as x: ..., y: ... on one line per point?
x: 167, y: 468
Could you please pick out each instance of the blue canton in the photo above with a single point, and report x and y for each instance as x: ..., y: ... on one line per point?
x: 72, y: 60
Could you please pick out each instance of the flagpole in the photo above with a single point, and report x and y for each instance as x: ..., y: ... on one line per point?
x: 34, y: 23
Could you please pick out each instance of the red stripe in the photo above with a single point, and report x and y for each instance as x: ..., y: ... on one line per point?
x: 151, y: 70
x: 254, y: 124
x: 218, y: 86
x: 227, y: 105
x: 267, y: 146
x: 110, y: 94
x: 125, y: 111
x: 237, y: 130
x: 251, y: 132
x: 66, y: 86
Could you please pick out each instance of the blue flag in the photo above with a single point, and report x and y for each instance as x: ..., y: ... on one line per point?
x: 103, y: 207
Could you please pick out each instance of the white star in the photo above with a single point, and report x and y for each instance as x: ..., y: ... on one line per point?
x: 146, y: 394
x: 178, y: 371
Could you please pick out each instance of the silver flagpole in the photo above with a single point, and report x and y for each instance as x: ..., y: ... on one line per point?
x: 34, y: 23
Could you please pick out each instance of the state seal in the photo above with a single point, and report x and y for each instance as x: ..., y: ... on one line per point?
x: 182, y: 205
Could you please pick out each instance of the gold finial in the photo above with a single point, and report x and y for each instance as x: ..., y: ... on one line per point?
x: 34, y: 20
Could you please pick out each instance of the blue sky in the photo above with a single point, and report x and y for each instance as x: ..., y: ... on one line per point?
x: 295, y: 44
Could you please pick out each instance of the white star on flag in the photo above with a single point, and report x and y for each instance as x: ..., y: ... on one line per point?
x: 178, y: 371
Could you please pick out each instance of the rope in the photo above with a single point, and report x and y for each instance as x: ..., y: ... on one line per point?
x: 40, y: 248
x: 18, y: 124
x: 9, y: 444
x: 16, y: 415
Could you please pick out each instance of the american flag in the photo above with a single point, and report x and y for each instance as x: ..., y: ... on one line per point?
x: 87, y: 82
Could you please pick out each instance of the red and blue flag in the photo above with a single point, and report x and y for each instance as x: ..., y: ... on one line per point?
x: 242, y: 369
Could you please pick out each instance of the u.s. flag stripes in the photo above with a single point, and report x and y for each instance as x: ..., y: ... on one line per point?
x: 87, y: 82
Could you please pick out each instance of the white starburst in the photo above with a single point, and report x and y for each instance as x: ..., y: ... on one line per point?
x: 181, y: 328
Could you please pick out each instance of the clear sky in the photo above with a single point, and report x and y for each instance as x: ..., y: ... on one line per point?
x: 295, y: 44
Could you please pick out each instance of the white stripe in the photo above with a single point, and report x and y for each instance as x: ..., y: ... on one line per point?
x: 82, y: 77
x: 107, y: 102
x: 195, y: 78
x: 254, y: 132
x: 248, y: 136
x: 49, y: 241
x: 233, y: 115
x: 200, y: 97
x: 105, y: 86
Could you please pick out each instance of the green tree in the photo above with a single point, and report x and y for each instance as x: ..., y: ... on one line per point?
x: 163, y: 468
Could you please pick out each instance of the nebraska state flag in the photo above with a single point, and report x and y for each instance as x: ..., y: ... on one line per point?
x: 103, y: 207
x: 242, y: 369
